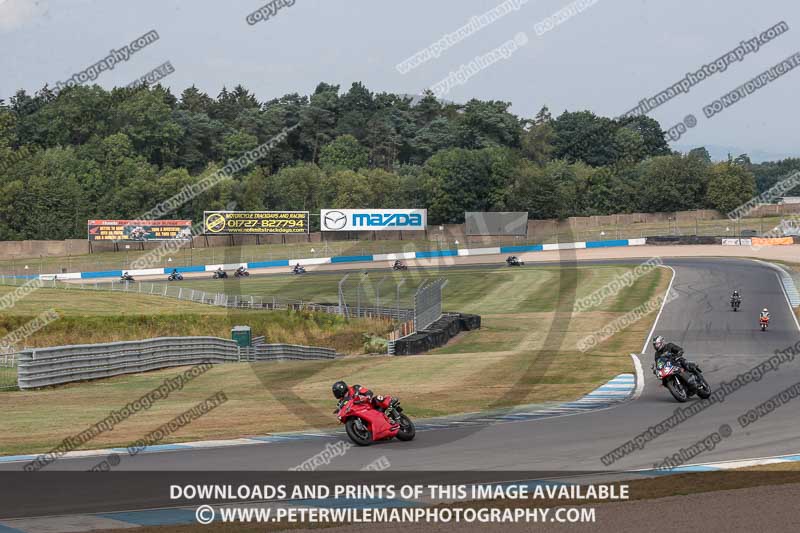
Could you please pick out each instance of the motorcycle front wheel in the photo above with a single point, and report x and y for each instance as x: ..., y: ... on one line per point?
x: 407, y: 428
x: 358, y: 432
x: 677, y: 389
x: 703, y: 389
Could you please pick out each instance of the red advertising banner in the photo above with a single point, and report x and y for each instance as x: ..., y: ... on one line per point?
x: 139, y: 230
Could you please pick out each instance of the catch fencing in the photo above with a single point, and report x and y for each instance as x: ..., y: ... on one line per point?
x: 364, y: 301
x: 65, y: 364
x: 8, y: 371
x: 362, y: 295
x: 428, y: 303
x: 179, y: 292
x: 359, y: 296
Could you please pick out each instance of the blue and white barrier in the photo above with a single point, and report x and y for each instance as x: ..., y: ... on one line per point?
x: 460, y: 252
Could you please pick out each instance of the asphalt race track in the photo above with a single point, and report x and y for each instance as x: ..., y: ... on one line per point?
x: 724, y: 343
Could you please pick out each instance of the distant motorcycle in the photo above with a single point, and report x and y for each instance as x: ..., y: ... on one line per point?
x: 126, y: 277
x: 241, y: 274
x: 399, y: 266
x: 220, y: 274
x: 763, y: 322
x: 735, y: 303
x: 513, y: 261
x: 682, y: 384
x: 298, y: 270
x: 175, y: 276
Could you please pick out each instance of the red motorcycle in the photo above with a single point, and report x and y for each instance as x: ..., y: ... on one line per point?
x: 366, y: 423
x: 763, y: 322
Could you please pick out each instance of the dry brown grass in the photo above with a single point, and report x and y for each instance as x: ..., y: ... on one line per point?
x: 267, y: 397
x: 519, y: 357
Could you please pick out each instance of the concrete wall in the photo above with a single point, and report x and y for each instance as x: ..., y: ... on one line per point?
x: 449, y: 233
x: 32, y: 249
x: 775, y: 210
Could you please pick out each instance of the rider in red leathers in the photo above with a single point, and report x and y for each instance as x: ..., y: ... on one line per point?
x: 371, y: 409
x: 361, y: 394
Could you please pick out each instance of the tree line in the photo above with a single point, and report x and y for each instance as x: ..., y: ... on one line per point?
x: 89, y: 153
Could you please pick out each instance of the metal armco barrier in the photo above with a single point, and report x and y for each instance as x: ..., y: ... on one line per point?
x: 275, y: 352
x: 66, y: 364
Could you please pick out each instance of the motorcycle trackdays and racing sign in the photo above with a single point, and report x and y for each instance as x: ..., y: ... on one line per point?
x: 254, y: 222
x: 373, y: 219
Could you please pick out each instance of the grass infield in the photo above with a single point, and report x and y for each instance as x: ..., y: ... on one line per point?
x: 527, y: 321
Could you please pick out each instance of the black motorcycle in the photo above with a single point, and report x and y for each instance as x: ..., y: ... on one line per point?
x: 126, y: 277
x: 735, y: 303
x: 681, y: 383
x: 220, y: 274
x: 298, y: 270
x: 399, y: 266
x: 175, y: 276
x: 514, y: 261
x: 241, y: 274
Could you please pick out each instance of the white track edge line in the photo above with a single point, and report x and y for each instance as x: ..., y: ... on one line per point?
x: 663, y: 305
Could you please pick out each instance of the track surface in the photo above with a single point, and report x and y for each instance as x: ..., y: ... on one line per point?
x: 722, y: 342
x: 779, y: 253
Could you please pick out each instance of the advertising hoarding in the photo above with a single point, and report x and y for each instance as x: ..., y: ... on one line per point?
x: 139, y: 230
x: 254, y: 222
x: 373, y: 219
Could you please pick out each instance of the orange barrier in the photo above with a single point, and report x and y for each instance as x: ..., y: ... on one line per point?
x: 775, y: 241
x: 406, y: 328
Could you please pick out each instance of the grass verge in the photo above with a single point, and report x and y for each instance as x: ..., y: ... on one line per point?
x: 88, y: 317
x: 525, y: 353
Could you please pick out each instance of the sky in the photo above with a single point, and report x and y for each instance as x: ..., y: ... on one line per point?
x: 604, y: 55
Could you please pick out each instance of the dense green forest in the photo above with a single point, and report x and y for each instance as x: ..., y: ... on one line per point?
x: 90, y: 153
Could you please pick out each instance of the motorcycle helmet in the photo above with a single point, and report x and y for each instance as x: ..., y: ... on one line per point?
x: 339, y: 389
x: 765, y: 310
x: 659, y: 342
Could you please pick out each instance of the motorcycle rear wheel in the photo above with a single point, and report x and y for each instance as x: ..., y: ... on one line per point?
x: 677, y: 389
x: 407, y: 428
x: 361, y: 436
